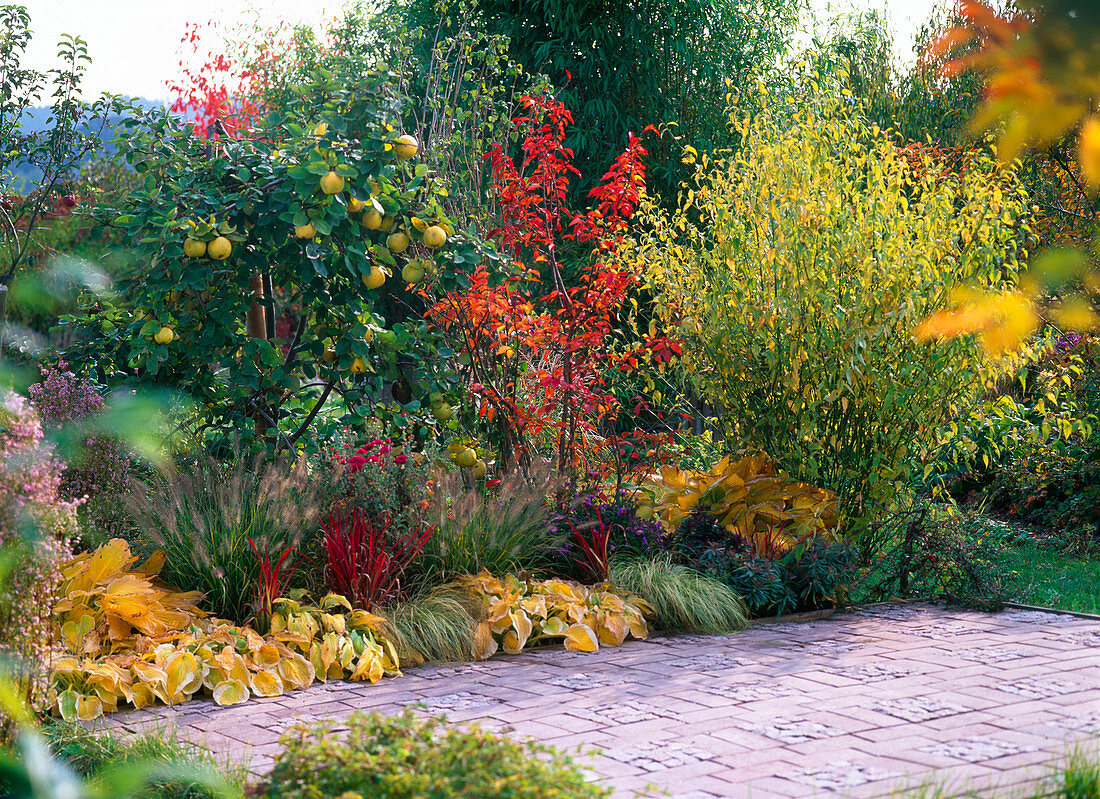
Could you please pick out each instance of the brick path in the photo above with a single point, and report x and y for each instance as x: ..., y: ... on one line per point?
x: 854, y: 705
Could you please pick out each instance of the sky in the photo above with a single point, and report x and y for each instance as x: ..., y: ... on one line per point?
x: 135, y: 44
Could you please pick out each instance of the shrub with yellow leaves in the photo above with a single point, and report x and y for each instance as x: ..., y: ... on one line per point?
x: 128, y: 639
x: 796, y: 272
x: 750, y: 497
x: 521, y: 611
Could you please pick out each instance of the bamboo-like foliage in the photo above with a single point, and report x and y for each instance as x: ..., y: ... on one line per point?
x: 797, y: 270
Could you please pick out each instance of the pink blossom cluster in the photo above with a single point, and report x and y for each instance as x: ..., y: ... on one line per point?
x: 374, y: 451
x: 30, y: 478
x: 30, y: 475
x: 103, y: 467
x: 64, y: 397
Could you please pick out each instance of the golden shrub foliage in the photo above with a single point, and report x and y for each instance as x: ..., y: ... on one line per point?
x: 797, y: 270
x: 129, y: 640
x: 751, y: 497
x: 524, y: 611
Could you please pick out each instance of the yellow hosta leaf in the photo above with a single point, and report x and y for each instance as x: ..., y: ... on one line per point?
x: 520, y: 632
x: 267, y: 656
x: 484, y: 642
x: 88, y: 708
x: 183, y: 674
x: 555, y: 627
x: 612, y: 629
x: 148, y: 673
x: 331, y: 601
x: 369, y: 667
x: 153, y: 564
x: 266, y: 683
x: 579, y: 638
x: 106, y: 563
x: 67, y: 703
x: 230, y: 692
x: 141, y: 695
x: 296, y: 671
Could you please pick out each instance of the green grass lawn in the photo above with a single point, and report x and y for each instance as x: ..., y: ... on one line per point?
x: 1051, y: 579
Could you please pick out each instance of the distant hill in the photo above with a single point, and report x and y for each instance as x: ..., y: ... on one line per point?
x: 37, y: 120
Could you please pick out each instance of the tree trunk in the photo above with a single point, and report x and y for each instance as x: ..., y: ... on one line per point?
x: 256, y: 327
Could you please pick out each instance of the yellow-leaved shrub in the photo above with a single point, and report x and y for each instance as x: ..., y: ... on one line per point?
x: 523, y: 611
x: 796, y: 271
x: 750, y: 497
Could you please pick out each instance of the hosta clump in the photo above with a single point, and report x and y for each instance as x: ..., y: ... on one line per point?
x: 523, y: 611
x: 406, y: 757
x: 131, y: 640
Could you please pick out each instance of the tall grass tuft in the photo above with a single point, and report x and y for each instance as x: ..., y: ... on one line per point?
x: 437, y: 625
x: 93, y: 755
x: 500, y: 530
x: 684, y: 599
x: 205, y: 516
x: 1078, y: 777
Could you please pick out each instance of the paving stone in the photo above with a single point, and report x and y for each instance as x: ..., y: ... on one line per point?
x: 748, y: 691
x: 973, y: 750
x: 461, y: 700
x: 790, y: 731
x: 617, y: 712
x: 710, y: 661
x: 586, y: 681
x: 659, y: 758
x: 989, y: 654
x: 1087, y: 638
x: 1039, y: 687
x: 848, y: 705
x: 1088, y: 723
x: 841, y: 774
x: 870, y: 672
x: 918, y: 708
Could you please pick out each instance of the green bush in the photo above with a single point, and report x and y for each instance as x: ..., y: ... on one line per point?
x: 93, y: 755
x: 797, y: 272
x: 942, y: 552
x: 408, y: 757
x: 684, y: 599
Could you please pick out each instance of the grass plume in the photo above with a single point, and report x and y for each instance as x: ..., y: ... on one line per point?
x: 685, y: 600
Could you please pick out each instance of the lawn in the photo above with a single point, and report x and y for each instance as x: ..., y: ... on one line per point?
x: 1051, y: 579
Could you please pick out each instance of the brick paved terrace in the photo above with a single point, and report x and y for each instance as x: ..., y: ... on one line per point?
x: 857, y: 704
